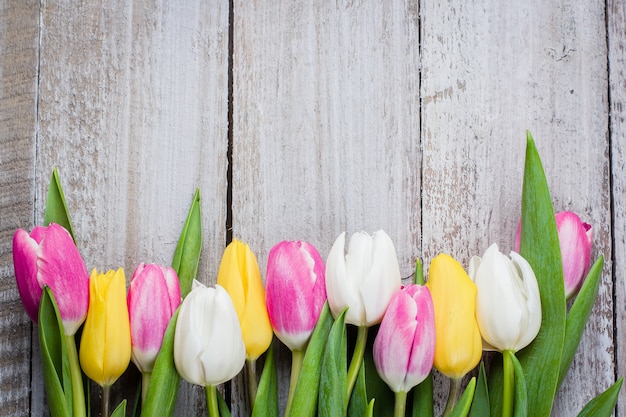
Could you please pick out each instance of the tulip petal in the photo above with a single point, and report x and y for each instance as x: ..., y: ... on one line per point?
x: 149, y: 312
x: 25, y: 265
x: 61, y: 267
x: 533, y: 300
x: 339, y: 289
x: 381, y: 280
x: 208, y: 347
x: 296, y: 291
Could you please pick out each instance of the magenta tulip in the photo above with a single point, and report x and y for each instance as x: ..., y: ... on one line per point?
x: 404, y: 347
x: 153, y: 297
x: 48, y: 256
x: 575, y: 240
x: 295, y: 291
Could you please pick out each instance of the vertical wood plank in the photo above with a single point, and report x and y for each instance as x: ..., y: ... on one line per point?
x: 18, y: 91
x: 616, y: 18
x: 133, y: 112
x: 491, y: 71
x: 326, y: 125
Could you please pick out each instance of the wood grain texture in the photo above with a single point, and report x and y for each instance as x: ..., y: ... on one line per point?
x: 133, y: 112
x: 326, y: 125
x: 491, y: 71
x: 19, y: 32
x: 616, y: 15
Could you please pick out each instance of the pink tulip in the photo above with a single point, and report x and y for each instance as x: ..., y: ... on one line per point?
x: 404, y: 348
x: 153, y: 297
x: 575, y: 240
x: 295, y: 291
x: 48, y: 256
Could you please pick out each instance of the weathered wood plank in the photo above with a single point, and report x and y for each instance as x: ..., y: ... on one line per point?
x: 326, y: 125
x: 133, y: 112
x: 491, y: 71
x: 19, y: 32
x: 616, y: 18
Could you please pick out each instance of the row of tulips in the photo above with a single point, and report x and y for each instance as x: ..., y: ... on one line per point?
x: 445, y: 323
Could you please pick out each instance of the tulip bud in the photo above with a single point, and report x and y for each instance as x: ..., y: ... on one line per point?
x: 364, y: 279
x: 458, y: 345
x: 508, y: 305
x: 153, y: 297
x: 240, y: 276
x: 48, y: 256
x: 296, y: 291
x: 575, y: 241
x: 105, y: 347
x: 208, y: 346
x: 404, y: 347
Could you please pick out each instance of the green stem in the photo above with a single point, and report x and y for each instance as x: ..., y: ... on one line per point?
x: 297, y: 356
x: 78, y: 395
x: 400, y: 404
x: 252, y: 383
x: 453, y: 396
x: 357, y: 358
x: 106, y: 396
x: 509, y: 382
x: 211, y: 401
x: 145, y: 381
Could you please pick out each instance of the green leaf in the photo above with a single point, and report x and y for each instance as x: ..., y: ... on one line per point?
x: 334, y: 379
x: 480, y: 405
x: 465, y: 402
x: 266, y: 403
x: 56, y: 207
x: 578, y: 315
x: 120, y: 410
x: 604, y: 404
x: 423, y: 398
x: 222, y: 406
x: 376, y: 387
x: 521, y: 391
x: 187, y: 254
x: 357, y: 406
x: 418, y: 277
x: 540, y: 246
x: 307, y: 388
x: 163, y: 387
x: 370, y: 409
x: 54, y: 360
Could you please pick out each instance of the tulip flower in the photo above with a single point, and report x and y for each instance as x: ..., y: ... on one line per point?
x: 508, y: 305
x: 48, y: 256
x: 240, y: 276
x: 575, y: 241
x: 153, y: 297
x: 458, y: 345
x: 508, y: 308
x: 105, y: 347
x: 208, y: 345
x: 364, y: 280
x: 404, y: 347
x: 296, y: 291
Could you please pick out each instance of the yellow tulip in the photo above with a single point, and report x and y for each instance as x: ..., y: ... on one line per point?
x: 105, y: 343
x: 458, y: 345
x: 240, y: 276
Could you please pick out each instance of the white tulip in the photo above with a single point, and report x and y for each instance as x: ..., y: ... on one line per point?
x: 364, y: 279
x: 508, y: 304
x: 208, y: 345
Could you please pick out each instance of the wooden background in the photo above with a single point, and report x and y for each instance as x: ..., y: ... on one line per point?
x: 299, y: 120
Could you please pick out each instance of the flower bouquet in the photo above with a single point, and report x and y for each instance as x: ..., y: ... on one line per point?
x: 361, y: 342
